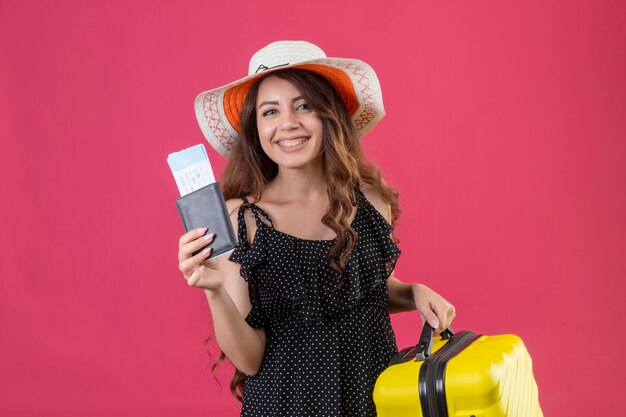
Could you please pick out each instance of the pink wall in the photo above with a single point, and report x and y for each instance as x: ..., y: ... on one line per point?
x: 505, y: 136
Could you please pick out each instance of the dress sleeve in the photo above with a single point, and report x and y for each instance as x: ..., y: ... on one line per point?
x: 374, y: 258
x: 249, y: 257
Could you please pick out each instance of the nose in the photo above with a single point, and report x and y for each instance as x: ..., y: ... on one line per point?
x: 289, y: 120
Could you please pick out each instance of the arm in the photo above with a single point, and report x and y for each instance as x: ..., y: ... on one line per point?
x: 432, y: 307
x: 401, y: 296
x: 227, y: 295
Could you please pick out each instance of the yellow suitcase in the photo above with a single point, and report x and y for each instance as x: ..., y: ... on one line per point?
x: 459, y: 375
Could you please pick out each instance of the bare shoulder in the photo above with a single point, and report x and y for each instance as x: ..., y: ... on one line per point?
x: 232, y: 206
x: 377, y: 201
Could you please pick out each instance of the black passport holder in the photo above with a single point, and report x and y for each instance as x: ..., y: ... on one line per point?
x: 206, y: 208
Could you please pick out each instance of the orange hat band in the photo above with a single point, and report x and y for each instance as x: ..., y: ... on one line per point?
x: 235, y: 96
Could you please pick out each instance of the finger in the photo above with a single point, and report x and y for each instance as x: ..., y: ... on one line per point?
x: 191, y: 235
x: 195, y: 245
x: 195, y: 278
x: 445, y: 313
x: 451, y: 315
x: 189, y: 265
x: 429, y: 315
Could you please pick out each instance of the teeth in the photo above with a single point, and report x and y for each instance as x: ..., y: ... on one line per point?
x: 292, y: 142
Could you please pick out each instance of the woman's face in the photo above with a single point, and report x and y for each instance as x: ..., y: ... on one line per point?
x: 289, y: 130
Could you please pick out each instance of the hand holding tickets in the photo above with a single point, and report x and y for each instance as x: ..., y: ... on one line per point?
x: 201, y: 204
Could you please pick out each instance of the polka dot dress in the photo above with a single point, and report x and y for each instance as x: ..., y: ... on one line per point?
x: 325, y: 347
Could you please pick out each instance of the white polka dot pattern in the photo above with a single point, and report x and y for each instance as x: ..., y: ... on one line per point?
x: 325, y: 348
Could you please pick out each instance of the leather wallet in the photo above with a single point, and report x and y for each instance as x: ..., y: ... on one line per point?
x: 205, y: 207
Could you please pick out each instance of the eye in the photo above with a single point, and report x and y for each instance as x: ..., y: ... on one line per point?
x: 303, y: 106
x: 269, y: 112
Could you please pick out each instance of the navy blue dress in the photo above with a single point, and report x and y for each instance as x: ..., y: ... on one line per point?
x: 325, y: 348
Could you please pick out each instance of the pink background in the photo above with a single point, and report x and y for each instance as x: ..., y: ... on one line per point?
x: 505, y: 135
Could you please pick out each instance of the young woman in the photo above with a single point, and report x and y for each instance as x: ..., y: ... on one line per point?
x: 301, y: 306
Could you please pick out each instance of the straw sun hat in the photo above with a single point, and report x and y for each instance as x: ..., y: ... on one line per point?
x: 218, y: 110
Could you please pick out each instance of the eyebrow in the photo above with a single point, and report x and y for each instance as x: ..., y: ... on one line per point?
x: 275, y: 103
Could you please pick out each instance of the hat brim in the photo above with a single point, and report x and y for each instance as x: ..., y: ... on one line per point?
x: 218, y: 110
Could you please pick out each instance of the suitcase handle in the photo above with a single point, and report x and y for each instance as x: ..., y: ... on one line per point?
x: 424, y: 347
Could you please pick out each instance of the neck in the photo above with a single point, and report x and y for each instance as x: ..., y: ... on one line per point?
x: 304, y: 184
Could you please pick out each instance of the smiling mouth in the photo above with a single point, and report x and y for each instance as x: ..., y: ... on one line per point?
x: 289, y: 143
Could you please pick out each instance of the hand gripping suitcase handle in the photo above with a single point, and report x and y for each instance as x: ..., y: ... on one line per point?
x: 424, y: 347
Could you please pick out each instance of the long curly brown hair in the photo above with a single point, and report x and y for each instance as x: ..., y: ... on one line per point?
x: 345, y: 166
